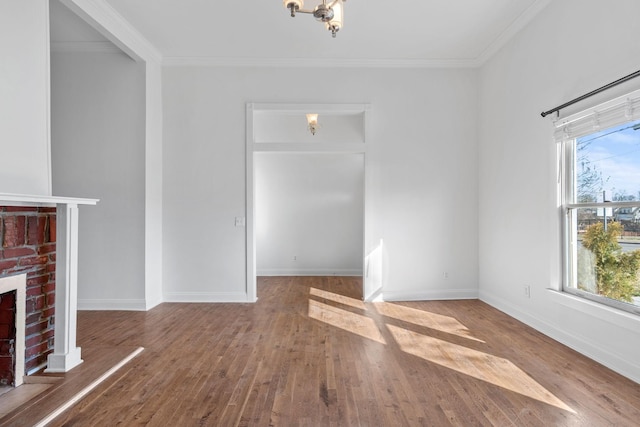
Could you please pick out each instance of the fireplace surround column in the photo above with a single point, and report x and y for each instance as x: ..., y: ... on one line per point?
x: 66, y: 354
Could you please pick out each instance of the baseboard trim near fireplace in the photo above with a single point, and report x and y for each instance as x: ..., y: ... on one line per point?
x: 112, y: 304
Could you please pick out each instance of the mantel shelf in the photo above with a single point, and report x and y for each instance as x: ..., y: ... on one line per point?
x: 7, y: 199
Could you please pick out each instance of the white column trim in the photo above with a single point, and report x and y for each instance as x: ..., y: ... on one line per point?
x: 153, y: 240
x: 108, y: 22
x: 66, y: 355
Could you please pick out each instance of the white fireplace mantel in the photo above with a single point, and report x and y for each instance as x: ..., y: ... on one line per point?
x: 66, y: 355
x: 8, y: 199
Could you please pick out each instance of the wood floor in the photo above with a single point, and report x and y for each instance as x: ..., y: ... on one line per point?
x: 311, y: 353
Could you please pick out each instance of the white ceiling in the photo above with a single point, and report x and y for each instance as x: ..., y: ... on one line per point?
x: 462, y: 32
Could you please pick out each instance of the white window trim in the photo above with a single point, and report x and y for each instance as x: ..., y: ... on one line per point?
x: 618, y: 111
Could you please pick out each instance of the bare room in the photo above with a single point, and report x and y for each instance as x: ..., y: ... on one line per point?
x: 319, y: 212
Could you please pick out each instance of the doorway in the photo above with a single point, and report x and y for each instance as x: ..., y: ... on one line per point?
x: 308, y: 214
x: 277, y: 136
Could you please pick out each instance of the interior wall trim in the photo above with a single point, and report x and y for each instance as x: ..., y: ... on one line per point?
x: 102, y: 17
x: 436, y: 294
x: 84, y: 47
x: 112, y: 304
x: 205, y: 61
x: 196, y: 297
x: 309, y: 272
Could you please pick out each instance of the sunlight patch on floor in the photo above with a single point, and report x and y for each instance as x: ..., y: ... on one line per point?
x: 343, y: 319
x: 352, y: 302
x: 483, y: 366
x: 430, y: 320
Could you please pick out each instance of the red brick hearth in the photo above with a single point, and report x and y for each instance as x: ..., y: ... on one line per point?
x: 28, y: 236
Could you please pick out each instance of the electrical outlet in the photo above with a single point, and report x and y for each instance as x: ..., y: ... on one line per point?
x: 445, y: 274
x: 527, y: 291
x: 295, y: 258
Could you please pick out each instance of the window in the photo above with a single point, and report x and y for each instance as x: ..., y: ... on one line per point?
x: 600, y: 152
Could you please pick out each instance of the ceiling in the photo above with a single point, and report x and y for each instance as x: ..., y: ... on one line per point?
x: 455, y: 32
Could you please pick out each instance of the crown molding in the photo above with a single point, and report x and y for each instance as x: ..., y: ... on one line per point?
x: 84, y: 47
x: 104, y: 18
x: 205, y: 61
x: 514, y: 28
x: 108, y: 22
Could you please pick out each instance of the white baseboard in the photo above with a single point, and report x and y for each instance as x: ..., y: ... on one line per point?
x: 150, y: 304
x: 112, y: 304
x: 206, y: 297
x: 592, y: 350
x: 444, y: 294
x: 310, y: 272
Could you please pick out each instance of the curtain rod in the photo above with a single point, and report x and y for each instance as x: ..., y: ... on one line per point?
x: 593, y: 92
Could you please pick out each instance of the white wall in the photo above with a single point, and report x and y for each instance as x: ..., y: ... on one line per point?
x: 422, y: 160
x: 571, y: 48
x: 24, y: 97
x: 98, y: 150
x: 309, y: 206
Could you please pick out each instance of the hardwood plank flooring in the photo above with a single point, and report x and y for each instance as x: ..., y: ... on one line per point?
x: 43, y: 394
x: 19, y: 396
x: 311, y: 353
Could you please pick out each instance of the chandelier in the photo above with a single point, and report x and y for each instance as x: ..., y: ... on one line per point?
x: 329, y: 12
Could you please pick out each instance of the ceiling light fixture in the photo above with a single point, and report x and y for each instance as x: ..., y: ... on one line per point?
x: 312, y: 120
x: 331, y: 12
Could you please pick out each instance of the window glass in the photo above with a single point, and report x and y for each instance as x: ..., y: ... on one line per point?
x: 609, y: 161
x: 603, y: 216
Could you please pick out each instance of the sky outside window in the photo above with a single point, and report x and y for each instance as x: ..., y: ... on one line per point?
x: 609, y: 161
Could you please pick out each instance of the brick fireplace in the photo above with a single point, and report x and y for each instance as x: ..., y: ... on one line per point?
x: 28, y: 245
x: 39, y: 245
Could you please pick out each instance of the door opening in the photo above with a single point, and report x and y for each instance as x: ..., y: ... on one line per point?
x: 278, y: 140
x: 308, y: 214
